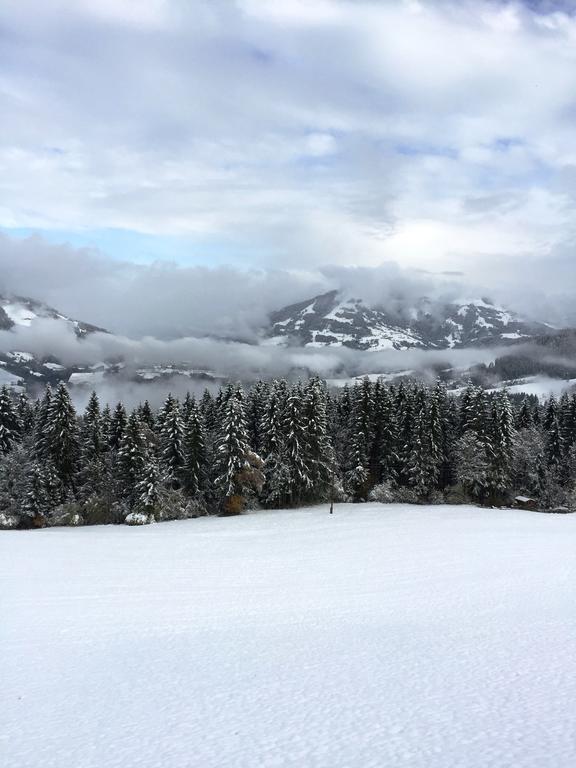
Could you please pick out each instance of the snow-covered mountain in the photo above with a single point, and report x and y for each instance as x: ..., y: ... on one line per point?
x: 335, y: 320
x: 329, y: 320
x: 19, y: 310
x: 24, y: 368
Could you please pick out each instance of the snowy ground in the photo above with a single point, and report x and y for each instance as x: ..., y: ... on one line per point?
x: 381, y: 637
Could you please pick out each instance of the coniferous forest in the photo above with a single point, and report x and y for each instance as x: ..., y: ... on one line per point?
x: 278, y: 445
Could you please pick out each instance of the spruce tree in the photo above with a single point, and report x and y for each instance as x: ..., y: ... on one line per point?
x: 319, y: 457
x: 194, y: 469
x: 294, y: 446
x: 171, y: 440
x: 118, y: 425
x: 236, y: 471
x: 25, y: 414
x: 132, y: 457
x: 62, y: 436
x: 149, y: 487
x: 500, y: 447
x: 9, y: 425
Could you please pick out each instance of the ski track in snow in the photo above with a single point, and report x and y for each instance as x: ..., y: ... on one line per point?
x: 381, y: 636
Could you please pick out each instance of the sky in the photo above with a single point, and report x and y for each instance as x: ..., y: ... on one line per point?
x: 229, y: 156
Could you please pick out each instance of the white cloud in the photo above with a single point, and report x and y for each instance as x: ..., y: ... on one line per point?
x: 433, y: 133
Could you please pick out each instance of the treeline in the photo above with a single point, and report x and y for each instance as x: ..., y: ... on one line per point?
x: 279, y: 444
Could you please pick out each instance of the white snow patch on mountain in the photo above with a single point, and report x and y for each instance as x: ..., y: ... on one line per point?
x: 18, y: 312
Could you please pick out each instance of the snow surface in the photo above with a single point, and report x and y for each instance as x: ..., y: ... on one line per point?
x: 379, y: 637
x: 18, y: 312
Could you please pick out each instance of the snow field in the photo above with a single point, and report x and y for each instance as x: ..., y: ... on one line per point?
x: 384, y: 635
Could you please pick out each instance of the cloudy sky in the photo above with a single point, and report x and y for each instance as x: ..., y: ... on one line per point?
x: 255, y: 150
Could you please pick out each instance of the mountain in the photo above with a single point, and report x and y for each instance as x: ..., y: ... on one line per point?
x: 333, y: 320
x: 328, y: 320
x: 24, y: 369
x: 19, y: 310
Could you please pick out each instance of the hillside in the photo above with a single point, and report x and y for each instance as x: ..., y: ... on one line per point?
x: 334, y: 320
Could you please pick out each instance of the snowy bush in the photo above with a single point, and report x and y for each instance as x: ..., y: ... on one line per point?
x: 138, y: 518
x: 406, y: 496
x: 382, y: 493
x: 457, y: 494
x: 174, y: 505
x: 68, y: 513
x: 98, y: 510
x: 8, y: 521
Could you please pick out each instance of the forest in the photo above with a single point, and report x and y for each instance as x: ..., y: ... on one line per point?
x: 279, y: 444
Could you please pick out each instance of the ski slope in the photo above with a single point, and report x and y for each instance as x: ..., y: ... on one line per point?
x: 379, y: 637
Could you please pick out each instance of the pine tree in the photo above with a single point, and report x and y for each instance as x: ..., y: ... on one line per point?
x: 358, y: 480
x: 293, y: 452
x: 9, y: 425
x: 383, y: 459
x: 91, y: 437
x: 319, y: 457
x: 500, y: 451
x: 171, y: 440
x: 171, y: 404
x: 62, y: 436
x: 25, y: 414
x: 237, y: 470
x: 149, y: 487
x: 207, y: 411
x: 41, y: 446
x: 146, y: 415
x: 118, y: 425
x: 194, y: 469
x: 524, y: 419
x: 272, y: 440
x: 255, y: 405
x: 132, y: 458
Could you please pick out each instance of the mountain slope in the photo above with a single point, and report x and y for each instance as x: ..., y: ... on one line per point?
x: 333, y: 320
x: 20, y: 310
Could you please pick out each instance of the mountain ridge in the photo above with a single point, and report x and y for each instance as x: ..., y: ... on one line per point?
x: 332, y: 319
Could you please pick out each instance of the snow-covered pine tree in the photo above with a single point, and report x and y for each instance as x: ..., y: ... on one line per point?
x: 25, y: 414
x: 255, y: 405
x: 149, y: 487
x: 171, y: 440
x: 554, y: 451
x: 207, y: 411
x: 272, y: 441
x: 9, y: 423
x: 550, y: 413
x: 524, y: 417
x: 443, y: 425
x: 500, y: 448
x: 62, y: 436
x: 238, y: 467
x: 194, y: 470
x: 425, y: 454
x: 384, y: 459
x: 106, y: 425
x: 91, y: 438
x: 41, y: 447
x: 293, y: 452
x: 118, y: 425
x: 471, y: 465
x: 132, y: 457
x: 357, y: 477
x: 147, y: 415
x: 37, y: 503
x: 404, y: 406
x: 319, y: 456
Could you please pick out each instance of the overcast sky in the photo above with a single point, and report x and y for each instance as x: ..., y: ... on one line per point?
x: 241, y: 140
